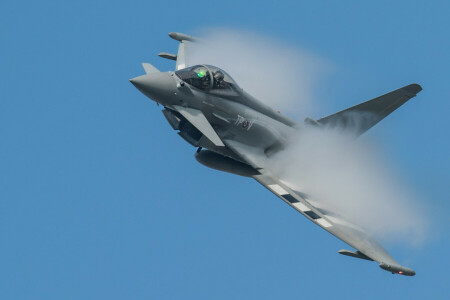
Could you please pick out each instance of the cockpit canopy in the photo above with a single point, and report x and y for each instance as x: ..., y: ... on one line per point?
x: 208, y: 78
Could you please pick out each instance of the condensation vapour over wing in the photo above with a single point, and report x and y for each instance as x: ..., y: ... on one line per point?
x: 280, y: 75
x: 350, y: 176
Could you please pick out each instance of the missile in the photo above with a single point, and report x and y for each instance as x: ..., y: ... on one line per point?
x: 356, y: 254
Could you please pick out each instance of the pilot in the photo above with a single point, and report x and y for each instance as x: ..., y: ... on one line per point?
x: 218, y: 77
x: 204, y: 78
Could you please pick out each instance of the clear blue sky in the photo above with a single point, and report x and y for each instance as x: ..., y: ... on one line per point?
x: 100, y: 199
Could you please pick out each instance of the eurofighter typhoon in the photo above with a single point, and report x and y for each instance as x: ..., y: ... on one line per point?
x: 236, y: 133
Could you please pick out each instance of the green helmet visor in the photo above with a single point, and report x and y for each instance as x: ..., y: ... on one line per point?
x: 201, y: 73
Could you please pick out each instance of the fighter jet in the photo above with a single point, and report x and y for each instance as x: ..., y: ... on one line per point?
x: 236, y: 133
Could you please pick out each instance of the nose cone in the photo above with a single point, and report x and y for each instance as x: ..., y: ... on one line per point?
x: 157, y: 86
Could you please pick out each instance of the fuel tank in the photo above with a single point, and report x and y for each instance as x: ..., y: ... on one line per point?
x: 219, y: 162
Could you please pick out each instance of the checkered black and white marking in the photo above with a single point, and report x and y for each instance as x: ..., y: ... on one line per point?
x: 301, y: 207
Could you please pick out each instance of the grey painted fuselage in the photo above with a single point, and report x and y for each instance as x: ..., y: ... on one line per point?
x: 234, y: 116
x: 211, y: 111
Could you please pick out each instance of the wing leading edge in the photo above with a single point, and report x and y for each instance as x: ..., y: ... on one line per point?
x: 367, y: 247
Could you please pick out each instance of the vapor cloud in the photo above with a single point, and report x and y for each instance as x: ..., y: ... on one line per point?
x: 352, y: 178
x: 348, y: 175
x: 280, y: 75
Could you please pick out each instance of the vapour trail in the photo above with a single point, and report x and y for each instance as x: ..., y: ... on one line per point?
x: 348, y: 175
x: 280, y: 75
x: 351, y: 177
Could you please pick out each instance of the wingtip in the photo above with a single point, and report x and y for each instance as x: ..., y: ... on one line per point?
x: 397, y: 269
x: 413, y: 88
x: 172, y: 34
x: 178, y: 36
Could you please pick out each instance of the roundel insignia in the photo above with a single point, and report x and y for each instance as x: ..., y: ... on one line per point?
x: 245, y: 124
